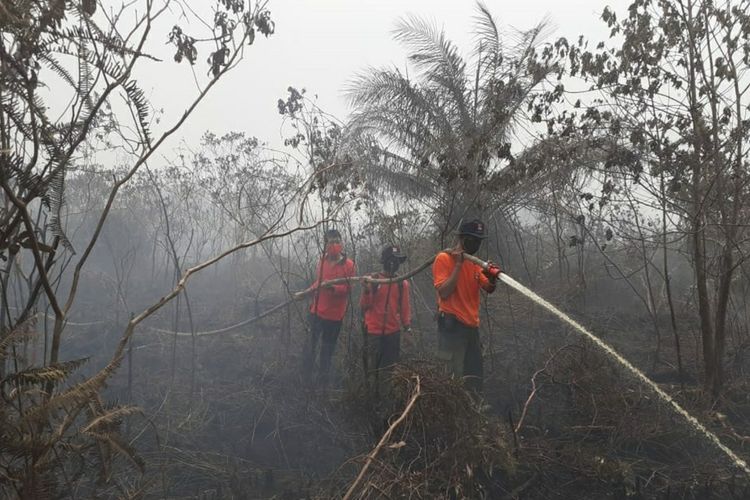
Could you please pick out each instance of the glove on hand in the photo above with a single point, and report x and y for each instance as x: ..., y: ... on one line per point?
x: 492, y: 272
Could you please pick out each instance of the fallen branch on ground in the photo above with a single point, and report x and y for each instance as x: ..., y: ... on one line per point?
x: 383, y: 440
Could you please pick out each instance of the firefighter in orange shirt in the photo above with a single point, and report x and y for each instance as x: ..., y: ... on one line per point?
x: 387, y: 312
x: 458, y: 282
x: 328, y: 305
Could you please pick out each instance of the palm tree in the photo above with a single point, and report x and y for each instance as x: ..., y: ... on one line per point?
x: 439, y: 138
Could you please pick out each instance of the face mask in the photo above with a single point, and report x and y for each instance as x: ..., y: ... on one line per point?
x: 391, y: 266
x: 471, y: 245
x: 333, y: 249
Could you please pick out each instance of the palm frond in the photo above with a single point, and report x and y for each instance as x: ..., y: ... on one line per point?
x: 488, y: 44
x: 393, y: 128
x: 438, y: 58
x: 389, y: 106
x: 389, y: 89
x: 441, y: 135
x: 503, y: 96
x: 526, y: 41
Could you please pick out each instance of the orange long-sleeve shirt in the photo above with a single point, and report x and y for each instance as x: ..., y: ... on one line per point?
x: 382, y: 320
x: 463, y: 303
x: 330, y: 302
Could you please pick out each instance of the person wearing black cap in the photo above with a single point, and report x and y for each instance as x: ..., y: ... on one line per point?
x: 387, y: 312
x: 458, y: 282
x: 328, y: 305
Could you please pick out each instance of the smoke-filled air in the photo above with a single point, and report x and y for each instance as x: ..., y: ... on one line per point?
x: 416, y: 249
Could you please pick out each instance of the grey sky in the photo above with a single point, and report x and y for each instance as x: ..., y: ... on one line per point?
x: 322, y: 44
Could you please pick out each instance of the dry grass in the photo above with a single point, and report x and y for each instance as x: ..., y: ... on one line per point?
x: 446, y: 447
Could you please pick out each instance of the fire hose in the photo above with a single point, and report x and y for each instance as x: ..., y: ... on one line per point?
x: 494, y: 271
x: 624, y: 363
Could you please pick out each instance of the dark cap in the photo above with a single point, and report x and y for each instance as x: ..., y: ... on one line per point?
x: 331, y: 233
x: 392, y: 252
x: 473, y: 228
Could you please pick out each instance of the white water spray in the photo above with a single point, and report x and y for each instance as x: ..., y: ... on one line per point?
x: 692, y: 421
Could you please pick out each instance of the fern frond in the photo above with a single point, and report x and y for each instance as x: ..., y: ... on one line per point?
x: 11, y: 108
x: 43, y: 487
x: 77, y: 34
x: 96, y: 406
x: 112, y: 417
x: 28, y: 183
x: 17, y: 334
x: 54, y: 373
x: 105, y: 62
x: 56, y: 197
x: 17, y: 441
x: 138, y: 98
x: 74, y: 397
x: 85, y: 80
x: 117, y: 444
x: 55, y: 65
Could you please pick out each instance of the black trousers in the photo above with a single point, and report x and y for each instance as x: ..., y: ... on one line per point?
x: 460, y: 349
x: 381, y: 353
x: 324, y: 334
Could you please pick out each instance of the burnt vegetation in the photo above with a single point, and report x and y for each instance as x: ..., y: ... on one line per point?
x: 150, y: 343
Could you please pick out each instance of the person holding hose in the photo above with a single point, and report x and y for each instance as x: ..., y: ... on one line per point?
x: 328, y: 306
x: 387, y: 312
x: 458, y: 282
